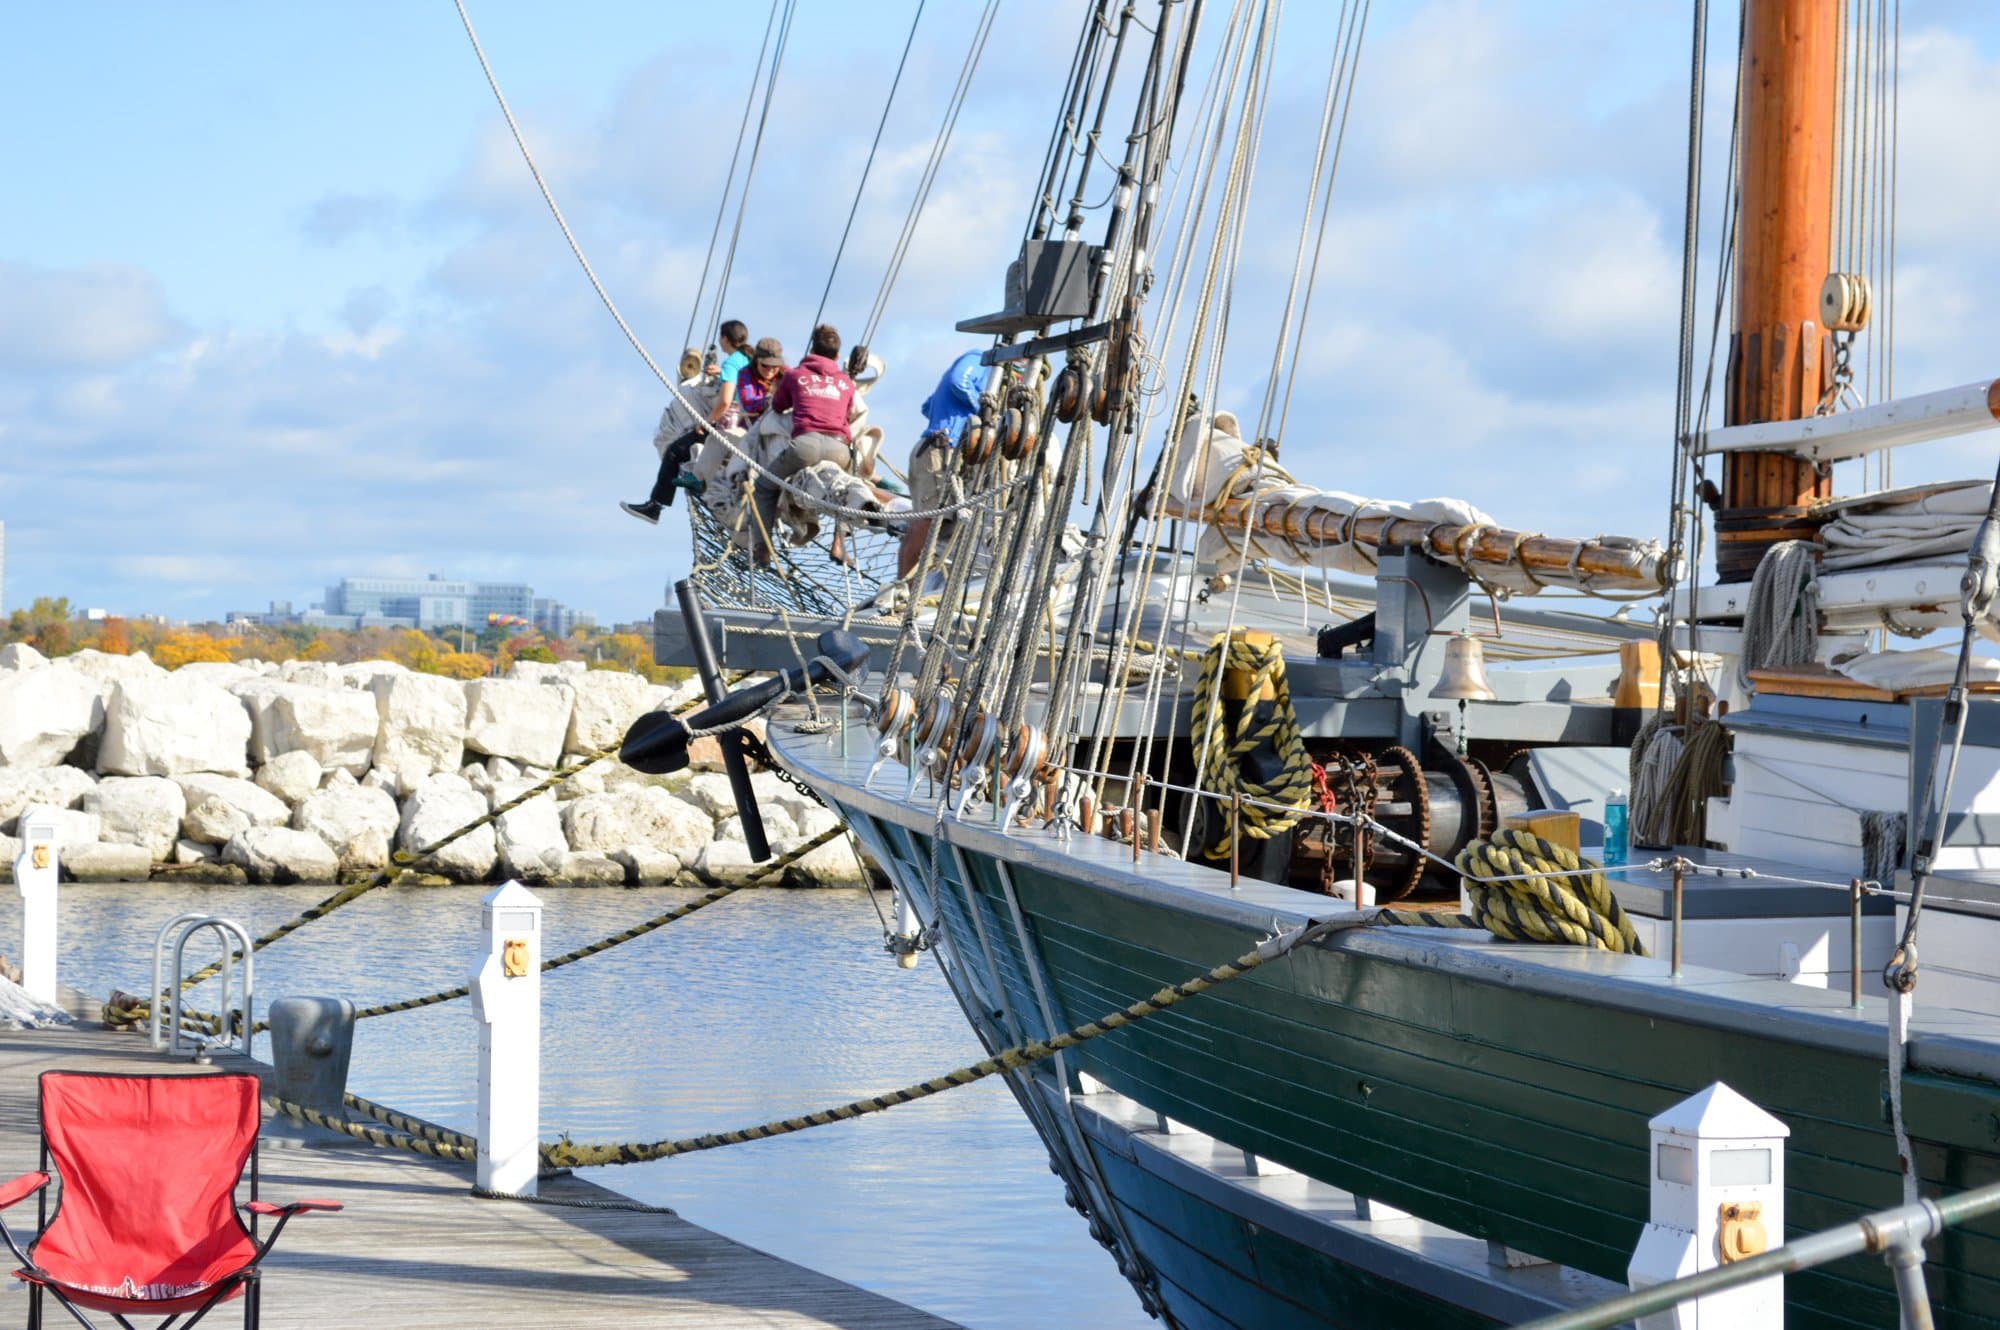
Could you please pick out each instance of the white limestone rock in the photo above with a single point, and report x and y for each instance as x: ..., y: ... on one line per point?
x: 501, y: 770
x: 420, y: 726
x: 195, y: 852
x: 386, y: 781
x: 607, y: 701
x: 587, y: 868
x: 531, y: 838
x: 169, y: 724
x: 778, y: 826
x: 213, y: 821
x: 107, y: 668
x: 220, y: 806
x: 709, y: 791
x: 728, y: 860
x: 221, y: 673
x: 45, y: 714
x: 281, y: 855
x: 590, y: 780
x: 439, y: 806
x: 356, y: 821
x: 641, y: 815
x: 260, y: 805
x: 833, y: 864
x: 365, y: 674
x: 138, y: 810
x: 21, y: 656
x: 336, y: 725
x: 523, y: 721
x: 291, y: 776
x: 57, y: 787
x: 107, y: 863
x: 74, y: 826
x: 311, y: 673
x: 646, y: 866
x: 536, y: 671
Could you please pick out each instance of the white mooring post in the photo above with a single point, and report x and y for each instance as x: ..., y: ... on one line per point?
x: 1718, y: 1186
x: 35, y: 878
x: 507, y: 1001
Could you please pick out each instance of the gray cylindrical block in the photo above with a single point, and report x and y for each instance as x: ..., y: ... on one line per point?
x: 312, y: 1039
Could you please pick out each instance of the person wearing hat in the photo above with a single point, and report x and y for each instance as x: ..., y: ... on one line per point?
x: 820, y: 397
x: 759, y: 379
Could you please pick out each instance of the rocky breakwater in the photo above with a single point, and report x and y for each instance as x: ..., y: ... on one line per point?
x: 311, y: 772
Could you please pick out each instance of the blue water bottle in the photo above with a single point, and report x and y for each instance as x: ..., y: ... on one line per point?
x: 1614, y: 829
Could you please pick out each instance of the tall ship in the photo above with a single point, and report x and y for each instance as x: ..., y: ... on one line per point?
x: 1142, y: 697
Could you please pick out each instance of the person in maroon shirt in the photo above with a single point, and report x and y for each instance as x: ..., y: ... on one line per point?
x: 820, y: 397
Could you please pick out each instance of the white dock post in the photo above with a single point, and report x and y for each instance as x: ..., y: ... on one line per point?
x: 35, y: 878
x: 1718, y: 1188
x: 507, y: 1002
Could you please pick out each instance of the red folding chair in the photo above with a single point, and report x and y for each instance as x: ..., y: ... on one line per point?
x: 146, y: 1220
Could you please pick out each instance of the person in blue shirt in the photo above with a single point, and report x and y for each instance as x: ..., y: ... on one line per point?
x: 735, y: 339
x: 947, y: 411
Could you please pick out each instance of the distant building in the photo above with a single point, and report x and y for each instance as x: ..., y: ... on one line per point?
x: 431, y: 602
x: 556, y: 619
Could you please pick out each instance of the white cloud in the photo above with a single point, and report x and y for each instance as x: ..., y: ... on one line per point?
x: 100, y: 315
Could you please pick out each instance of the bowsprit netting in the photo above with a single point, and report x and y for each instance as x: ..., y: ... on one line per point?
x: 805, y: 579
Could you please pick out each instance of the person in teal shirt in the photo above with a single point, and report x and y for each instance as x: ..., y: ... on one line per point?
x: 735, y: 339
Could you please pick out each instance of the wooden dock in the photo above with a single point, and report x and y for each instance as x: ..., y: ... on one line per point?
x: 415, y: 1248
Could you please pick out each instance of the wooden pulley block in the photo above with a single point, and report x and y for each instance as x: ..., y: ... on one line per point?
x: 935, y: 716
x: 1009, y: 430
x: 894, y: 714
x: 1029, y: 750
x: 977, y: 445
x: 1019, y: 442
x: 1845, y: 302
x: 1100, y: 403
x: 1067, y: 394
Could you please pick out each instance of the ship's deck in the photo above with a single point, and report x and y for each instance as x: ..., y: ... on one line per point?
x: 1958, y: 1042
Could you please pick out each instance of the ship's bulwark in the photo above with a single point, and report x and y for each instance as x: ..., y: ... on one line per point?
x: 1504, y: 1111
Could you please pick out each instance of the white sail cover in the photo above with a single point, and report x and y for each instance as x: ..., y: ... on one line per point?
x: 1215, y: 465
x: 1905, y: 526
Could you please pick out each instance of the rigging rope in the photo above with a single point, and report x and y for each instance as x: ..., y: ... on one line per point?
x: 728, y: 181
x: 750, y: 171
x: 981, y: 32
x: 861, y: 186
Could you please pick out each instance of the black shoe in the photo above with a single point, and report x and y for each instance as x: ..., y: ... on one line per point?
x: 645, y: 512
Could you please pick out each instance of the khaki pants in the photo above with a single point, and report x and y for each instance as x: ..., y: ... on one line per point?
x: 804, y: 450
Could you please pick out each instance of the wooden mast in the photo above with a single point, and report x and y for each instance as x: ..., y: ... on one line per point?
x: 1780, y: 356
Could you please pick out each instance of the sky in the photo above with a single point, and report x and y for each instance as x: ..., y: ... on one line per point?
x: 279, y: 302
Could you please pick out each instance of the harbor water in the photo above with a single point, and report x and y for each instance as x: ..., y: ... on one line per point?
x: 766, y: 1004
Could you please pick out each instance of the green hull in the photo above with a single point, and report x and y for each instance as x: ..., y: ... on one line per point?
x: 1503, y: 1092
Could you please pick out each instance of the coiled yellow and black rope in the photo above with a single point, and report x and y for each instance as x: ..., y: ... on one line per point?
x: 1527, y: 889
x: 1221, y: 746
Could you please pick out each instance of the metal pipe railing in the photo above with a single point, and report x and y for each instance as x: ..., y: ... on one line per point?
x: 1897, y: 1235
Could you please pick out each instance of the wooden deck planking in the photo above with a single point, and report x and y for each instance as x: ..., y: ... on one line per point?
x: 415, y: 1248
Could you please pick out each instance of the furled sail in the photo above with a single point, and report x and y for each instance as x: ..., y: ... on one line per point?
x: 1240, y: 492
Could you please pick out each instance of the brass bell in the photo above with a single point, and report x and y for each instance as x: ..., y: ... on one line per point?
x: 1463, y: 679
x: 1464, y: 675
